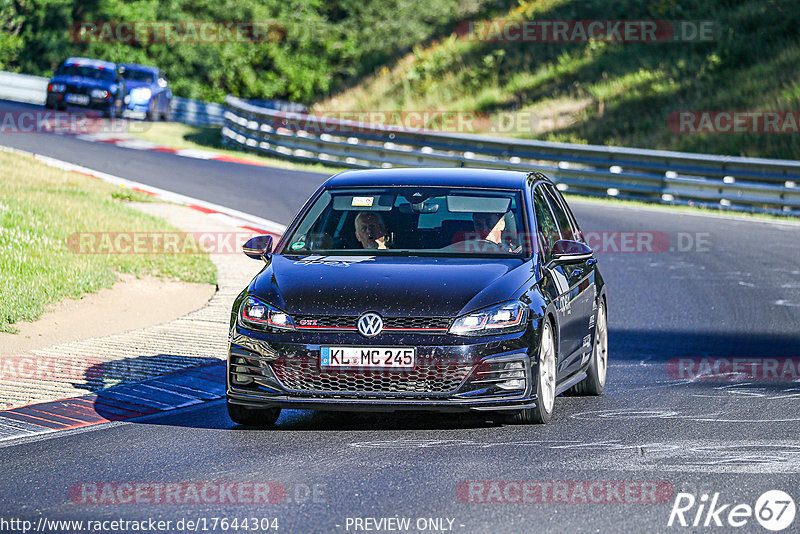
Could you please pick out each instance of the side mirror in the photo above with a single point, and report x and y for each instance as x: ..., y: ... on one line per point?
x: 258, y: 247
x: 567, y: 251
x: 162, y: 82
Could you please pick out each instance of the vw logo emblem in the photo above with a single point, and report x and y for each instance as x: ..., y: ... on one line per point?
x: 370, y: 324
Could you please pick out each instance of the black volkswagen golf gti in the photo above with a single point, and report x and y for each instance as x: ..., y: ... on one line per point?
x: 421, y: 289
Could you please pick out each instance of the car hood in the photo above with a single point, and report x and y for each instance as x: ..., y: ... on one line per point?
x: 82, y: 82
x: 391, y: 286
x: 131, y: 84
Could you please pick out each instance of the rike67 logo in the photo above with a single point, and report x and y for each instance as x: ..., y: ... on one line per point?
x: 774, y: 510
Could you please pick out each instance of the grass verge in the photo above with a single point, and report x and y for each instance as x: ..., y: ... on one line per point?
x: 604, y: 91
x: 40, y: 207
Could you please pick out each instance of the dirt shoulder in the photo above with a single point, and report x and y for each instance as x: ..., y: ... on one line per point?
x: 138, y: 329
x: 129, y: 304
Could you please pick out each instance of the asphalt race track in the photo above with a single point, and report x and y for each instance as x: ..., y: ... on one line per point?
x: 716, y: 288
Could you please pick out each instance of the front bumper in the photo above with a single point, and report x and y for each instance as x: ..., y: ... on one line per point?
x: 137, y: 107
x: 451, y: 374
x: 58, y: 99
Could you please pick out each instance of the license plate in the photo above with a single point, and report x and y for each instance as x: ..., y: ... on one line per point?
x: 76, y: 99
x: 369, y: 357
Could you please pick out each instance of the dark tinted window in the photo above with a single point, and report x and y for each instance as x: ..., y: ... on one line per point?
x: 84, y: 71
x: 547, y: 231
x: 577, y: 234
x: 561, y: 216
x: 419, y: 220
x: 138, y: 75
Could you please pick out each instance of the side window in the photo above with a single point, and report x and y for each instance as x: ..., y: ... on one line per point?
x: 577, y: 234
x: 547, y: 230
x: 561, y: 215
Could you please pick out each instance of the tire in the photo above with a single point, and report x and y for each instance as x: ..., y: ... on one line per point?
x: 545, y: 382
x: 595, y: 381
x: 261, y: 417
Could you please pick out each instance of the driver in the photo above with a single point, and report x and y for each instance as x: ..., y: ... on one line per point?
x: 371, y: 230
x: 489, y: 226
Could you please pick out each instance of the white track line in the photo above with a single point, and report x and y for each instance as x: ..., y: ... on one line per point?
x: 235, y: 217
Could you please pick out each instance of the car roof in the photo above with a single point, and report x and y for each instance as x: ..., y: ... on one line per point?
x: 136, y: 66
x: 433, y: 176
x: 88, y: 62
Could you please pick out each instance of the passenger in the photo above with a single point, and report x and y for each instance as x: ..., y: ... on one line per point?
x: 371, y: 230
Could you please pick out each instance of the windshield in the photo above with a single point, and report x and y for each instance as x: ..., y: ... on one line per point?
x: 412, y: 220
x: 138, y: 75
x: 87, y: 72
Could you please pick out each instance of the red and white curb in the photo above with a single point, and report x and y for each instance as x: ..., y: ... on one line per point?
x: 126, y: 401
x: 178, y: 389
x: 227, y: 215
x: 128, y: 141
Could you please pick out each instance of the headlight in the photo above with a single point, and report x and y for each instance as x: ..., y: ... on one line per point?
x: 99, y: 94
x: 499, y: 319
x: 256, y: 314
x: 57, y: 88
x: 141, y: 93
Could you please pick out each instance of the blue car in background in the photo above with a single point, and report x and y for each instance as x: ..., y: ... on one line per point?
x: 88, y: 84
x: 149, y: 95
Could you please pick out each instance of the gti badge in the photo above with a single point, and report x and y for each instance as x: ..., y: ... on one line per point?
x: 370, y: 324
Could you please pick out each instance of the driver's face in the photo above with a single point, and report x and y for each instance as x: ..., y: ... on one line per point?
x: 486, y: 222
x: 370, y: 230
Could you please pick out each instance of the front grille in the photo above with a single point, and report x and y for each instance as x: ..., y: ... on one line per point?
x: 325, y: 321
x: 305, y: 376
x: 417, y: 322
x: 401, y: 323
x: 77, y: 90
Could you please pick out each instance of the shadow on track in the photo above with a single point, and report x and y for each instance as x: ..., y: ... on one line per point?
x: 627, y: 346
x: 661, y: 346
x: 216, y: 418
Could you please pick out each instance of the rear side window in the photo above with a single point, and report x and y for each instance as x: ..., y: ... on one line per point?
x: 562, y: 219
x: 546, y: 228
x: 577, y: 233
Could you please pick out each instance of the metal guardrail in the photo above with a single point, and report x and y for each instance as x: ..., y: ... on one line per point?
x: 33, y: 90
x: 196, y: 112
x: 23, y: 88
x: 200, y: 113
x: 727, y: 182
